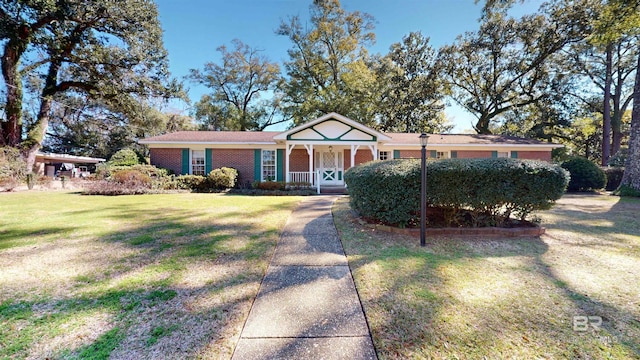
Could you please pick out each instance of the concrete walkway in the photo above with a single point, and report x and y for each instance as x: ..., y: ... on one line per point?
x: 307, y: 306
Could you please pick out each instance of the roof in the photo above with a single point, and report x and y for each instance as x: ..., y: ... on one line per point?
x: 462, y: 139
x: 65, y: 158
x: 214, y: 137
x: 267, y: 137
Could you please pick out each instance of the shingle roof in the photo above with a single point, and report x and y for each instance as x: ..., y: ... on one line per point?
x: 459, y: 139
x: 255, y: 137
x: 214, y: 137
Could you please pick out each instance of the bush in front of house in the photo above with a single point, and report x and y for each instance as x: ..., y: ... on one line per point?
x: 123, y: 182
x: 487, y: 190
x: 269, y: 185
x: 222, y: 178
x: 614, y: 177
x: 124, y: 157
x: 585, y: 175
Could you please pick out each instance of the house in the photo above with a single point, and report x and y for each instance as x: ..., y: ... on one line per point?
x: 320, y: 151
x: 50, y: 164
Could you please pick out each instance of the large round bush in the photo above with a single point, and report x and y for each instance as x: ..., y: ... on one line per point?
x: 585, y: 175
x: 389, y: 191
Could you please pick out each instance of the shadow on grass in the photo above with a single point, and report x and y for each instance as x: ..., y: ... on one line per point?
x: 181, y: 270
x: 478, y: 297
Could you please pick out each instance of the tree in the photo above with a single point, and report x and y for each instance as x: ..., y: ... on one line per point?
x: 82, y: 126
x: 237, y: 85
x: 411, y: 89
x: 327, y: 70
x: 108, y: 50
x: 620, y: 18
x: 608, y: 69
x: 504, y: 66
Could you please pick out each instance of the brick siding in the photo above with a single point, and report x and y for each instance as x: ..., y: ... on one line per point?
x: 239, y: 159
x: 535, y: 155
x: 167, y: 158
x: 299, y: 160
x: 471, y: 154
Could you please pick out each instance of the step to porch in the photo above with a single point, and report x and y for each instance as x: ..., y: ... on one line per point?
x: 333, y: 190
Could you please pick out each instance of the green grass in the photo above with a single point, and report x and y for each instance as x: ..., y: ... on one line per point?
x: 131, y: 276
x: 461, y: 298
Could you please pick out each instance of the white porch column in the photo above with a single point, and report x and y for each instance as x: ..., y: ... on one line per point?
x: 289, y: 148
x: 309, y: 148
x: 374, y: 151
x: 354, y: 149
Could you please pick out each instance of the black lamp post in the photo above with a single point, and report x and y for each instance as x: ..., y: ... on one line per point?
x: 424, y: 138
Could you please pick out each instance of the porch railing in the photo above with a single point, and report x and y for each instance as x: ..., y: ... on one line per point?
x: 301, y: 176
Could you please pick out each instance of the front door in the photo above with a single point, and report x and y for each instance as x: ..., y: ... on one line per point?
x: 331, y: 168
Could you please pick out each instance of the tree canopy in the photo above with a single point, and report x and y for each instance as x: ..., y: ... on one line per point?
x: 107, y: 50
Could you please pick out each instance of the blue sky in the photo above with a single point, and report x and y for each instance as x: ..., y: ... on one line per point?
x: 193, y: 29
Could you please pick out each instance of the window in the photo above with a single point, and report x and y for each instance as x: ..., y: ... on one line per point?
x: 441, y: 155
x: 383, y: 155
x: 503, y: 154
x: 268, y: 165
x: 197, y: 162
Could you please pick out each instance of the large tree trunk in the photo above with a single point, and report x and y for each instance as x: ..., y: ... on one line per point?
x: 11, y: 129
x: 606, y: 115
x: 631, y: 175
x: 36, y: 133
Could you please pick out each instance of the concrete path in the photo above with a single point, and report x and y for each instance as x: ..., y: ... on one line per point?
x: 307, y: 306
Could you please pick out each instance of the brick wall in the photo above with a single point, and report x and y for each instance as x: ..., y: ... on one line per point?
x: 362, y: 156
x: 408, y: 154
x: 167, y: 158
x: 471, y: 154
x: 535, y: 155
x: 239, y: 159
x: 298, y: 160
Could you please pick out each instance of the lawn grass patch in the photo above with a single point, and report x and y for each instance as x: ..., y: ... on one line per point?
x: 147, y: 276
x: 474, y: 298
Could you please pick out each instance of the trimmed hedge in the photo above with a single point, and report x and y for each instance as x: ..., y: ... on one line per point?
x: 585, y: 175
x: 489, y: 189
x: 223, y: 178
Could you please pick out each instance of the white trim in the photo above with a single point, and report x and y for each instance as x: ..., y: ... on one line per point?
x: 380, y: 136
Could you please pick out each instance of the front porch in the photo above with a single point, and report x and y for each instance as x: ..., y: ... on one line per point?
x: 319, y: 152
x: 324, y: 165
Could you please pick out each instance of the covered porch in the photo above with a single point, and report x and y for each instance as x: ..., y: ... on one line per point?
x: 319, y: 152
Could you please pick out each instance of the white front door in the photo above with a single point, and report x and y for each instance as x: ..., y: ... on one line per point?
x: 331, y: 168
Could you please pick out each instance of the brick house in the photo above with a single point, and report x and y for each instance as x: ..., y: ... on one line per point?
x: 322, y: 149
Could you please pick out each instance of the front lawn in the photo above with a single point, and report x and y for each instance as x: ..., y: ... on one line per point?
x: 573, y: 293
x: 149, y: 276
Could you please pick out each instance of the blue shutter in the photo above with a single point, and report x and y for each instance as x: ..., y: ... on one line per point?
x: 494, y: 154
x: 280, y: 165
x: 257, y: 165
x: 208, y: 158
x: 454, y: 154
x: 514, y: 154
x: 396, y: 154
x: 433, y: 154
x: 185, y: 161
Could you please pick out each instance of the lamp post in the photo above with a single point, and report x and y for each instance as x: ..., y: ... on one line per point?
x: 424, y: 138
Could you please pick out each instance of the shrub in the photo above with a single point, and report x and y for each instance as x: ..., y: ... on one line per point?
x: 585, y: 175
x: 489, y: 189
x: 133, y: 178
x: 270, y: 185
x: 626, y: 190
x: 13, y: 168
x: 614, y: 177
x: 124, y: 157
x: 191, y: 182
x: 618, y: 159
x: 223, y: 178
